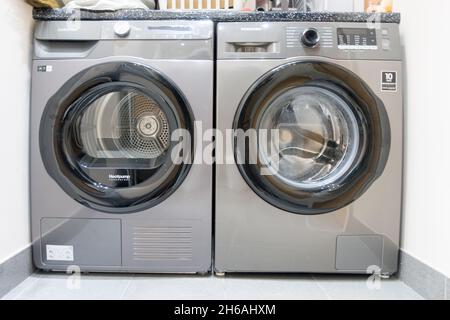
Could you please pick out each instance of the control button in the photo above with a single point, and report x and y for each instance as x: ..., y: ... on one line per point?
x: 385, y: 32
x: 386, y: 44
x: 310, y: 38
x: 122, y: 29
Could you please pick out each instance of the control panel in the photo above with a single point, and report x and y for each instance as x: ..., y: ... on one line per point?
x: 357, y: 38
x: 335, y: 40
x: 125, y: 30
x: 342, y: 38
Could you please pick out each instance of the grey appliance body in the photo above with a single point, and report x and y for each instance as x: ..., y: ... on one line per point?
x: 351, y: 225
x: 106, y: 96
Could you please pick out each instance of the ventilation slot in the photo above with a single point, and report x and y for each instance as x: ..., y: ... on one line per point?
x: 156, y: 244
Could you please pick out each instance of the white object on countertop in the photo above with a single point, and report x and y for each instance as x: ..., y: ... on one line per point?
x: 322, y: 5
x: 304, y: 5
x: 162, y: 4
x: 199, y: 5
x: 248, y: 5
x: 110, y: 4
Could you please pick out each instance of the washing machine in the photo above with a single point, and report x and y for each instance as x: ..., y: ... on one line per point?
x: 117, y: 183
x: 311, y: 180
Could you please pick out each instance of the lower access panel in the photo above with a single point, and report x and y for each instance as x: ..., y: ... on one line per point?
x: 81, y: 242
x: 172, y: 244
x: 359, y: 253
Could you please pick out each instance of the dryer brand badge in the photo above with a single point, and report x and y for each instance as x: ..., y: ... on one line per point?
x: 119, y: 177
x: 45, y: 68
x: 389, y: 81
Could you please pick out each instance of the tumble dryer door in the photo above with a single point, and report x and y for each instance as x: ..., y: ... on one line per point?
x: 105, y: 137
x: 322, y: 137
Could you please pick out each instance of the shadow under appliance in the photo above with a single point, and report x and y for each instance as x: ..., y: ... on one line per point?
x: 107, y: 98
x: 320, y: 191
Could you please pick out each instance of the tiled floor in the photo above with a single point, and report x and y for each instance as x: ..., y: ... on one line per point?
x: 60, y: 286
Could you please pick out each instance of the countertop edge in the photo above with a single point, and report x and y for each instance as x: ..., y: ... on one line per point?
x: 215, y: 15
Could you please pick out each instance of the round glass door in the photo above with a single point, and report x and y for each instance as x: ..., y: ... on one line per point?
x: 123, y: 131
x: 318, y: 137
x: 106, y: 137
x: 324, y: 141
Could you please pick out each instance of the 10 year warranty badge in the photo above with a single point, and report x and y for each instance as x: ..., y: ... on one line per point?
x: 389, y: 81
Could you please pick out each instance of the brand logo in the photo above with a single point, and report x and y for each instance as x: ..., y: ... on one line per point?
x: 119, y: 177
x: 251, y: 29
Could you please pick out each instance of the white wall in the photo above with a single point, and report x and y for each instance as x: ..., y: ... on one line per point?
x: 16, y: 25
x: 358, y: 5
x: 425, y: 29
x: 339, y: 5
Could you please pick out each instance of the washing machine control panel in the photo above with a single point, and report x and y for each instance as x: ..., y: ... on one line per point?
x: 335, y: 40
x: 348, y: 38
x: 357, y: 38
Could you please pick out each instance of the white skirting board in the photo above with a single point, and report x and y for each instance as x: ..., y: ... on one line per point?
x: 426, y: 281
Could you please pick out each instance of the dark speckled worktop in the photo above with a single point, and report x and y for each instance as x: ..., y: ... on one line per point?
x: 218, y: 16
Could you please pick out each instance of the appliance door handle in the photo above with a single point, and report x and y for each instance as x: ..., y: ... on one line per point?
x: 64, y: 49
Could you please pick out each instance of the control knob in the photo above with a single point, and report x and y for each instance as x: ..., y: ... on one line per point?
x: 310, y: 38
x: 122, y: 29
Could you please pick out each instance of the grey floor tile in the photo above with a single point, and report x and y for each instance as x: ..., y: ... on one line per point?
x: 229, y: 287
x: 360, y: 288
x: 162, y: 287
x: 255, y: 287
x: 16, y: 292
x: 65, y: 287
x: 271, y: 288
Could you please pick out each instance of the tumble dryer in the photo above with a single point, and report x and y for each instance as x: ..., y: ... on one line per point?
x: 313, y: 181
x: 113, y: 186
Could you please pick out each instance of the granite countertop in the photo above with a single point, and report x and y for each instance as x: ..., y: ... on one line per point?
x: 218, y: 16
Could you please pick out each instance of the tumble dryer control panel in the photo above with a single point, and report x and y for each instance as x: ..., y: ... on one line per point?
x: 124, y: 30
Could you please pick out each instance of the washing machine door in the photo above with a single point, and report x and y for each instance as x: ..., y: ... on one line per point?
x: 322, y: 137
x: 105, y: 137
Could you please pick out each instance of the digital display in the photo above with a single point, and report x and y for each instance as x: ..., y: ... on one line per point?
x: 357, y: 37
x: 354, y: 31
